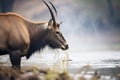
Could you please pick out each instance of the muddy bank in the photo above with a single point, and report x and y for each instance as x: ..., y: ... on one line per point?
x: 31, y: 73
x: 84, y: 73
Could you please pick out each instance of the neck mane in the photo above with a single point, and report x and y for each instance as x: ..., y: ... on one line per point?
x: 38, y: 33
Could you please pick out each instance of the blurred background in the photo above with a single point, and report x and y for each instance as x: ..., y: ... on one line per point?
x: 87, y: 24
x: 91, y: 28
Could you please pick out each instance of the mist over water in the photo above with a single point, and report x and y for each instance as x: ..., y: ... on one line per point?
x: 90, y: 24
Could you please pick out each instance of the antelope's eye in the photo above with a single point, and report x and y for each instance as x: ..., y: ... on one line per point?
x: 57, y: 32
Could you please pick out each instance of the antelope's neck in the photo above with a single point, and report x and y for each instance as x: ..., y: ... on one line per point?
x: 37, y: 29
x: 38, y: 33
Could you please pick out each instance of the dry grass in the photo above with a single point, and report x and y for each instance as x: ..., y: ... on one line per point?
x: 6, y: 73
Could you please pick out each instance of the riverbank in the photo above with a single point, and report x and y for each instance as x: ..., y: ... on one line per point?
x: 83, y: 73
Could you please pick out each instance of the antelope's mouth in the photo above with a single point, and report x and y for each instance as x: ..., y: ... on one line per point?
x: 64, y: 47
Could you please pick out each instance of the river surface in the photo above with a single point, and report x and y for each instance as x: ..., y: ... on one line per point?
x: 107, y: 63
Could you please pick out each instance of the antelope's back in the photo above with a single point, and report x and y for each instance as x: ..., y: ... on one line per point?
x: 13, y: 31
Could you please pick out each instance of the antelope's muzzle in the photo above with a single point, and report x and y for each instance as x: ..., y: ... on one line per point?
x: 65, y: 47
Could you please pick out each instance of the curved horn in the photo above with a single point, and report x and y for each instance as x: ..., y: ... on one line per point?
x: 52, y: 15
x: 54, y: 9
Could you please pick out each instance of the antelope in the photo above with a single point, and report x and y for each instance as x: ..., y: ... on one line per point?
x: 20, y: 37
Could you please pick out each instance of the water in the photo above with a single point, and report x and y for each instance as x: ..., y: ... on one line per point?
x: 96, y: 59
x: 106, y: 62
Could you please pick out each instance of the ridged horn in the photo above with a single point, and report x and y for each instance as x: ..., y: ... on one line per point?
x: 53, y: 7
x: 54, y: 10
x: 52, y: 15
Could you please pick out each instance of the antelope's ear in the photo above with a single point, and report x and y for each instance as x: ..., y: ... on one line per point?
x: 50, y: 23
x: 60, y: 23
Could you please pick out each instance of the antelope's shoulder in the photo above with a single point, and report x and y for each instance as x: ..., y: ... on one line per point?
x: 10, y: 14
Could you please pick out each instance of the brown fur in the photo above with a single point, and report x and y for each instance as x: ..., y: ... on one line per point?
x: 21, y: 37
x: 13, y: 31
